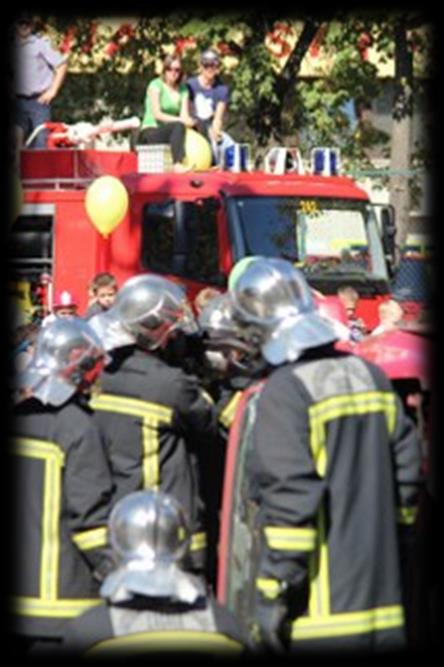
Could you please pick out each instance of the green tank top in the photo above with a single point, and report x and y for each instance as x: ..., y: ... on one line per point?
x: 168, y: 104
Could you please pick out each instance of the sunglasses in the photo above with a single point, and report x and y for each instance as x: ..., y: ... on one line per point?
x: 174, y: 69
x: 210, y: 65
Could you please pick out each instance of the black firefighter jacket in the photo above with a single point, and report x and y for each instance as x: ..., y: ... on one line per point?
x: 335, y: 467
x: 62, y: 491
x: 155, y: 418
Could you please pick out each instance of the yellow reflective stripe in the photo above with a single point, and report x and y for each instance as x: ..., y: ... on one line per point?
x: 150, y: 461
x: 198, y: 541
x: 38, y: 449
x: 131, y: 406
x: 68, y: 608
x: 407, y: 515
x: 168, y: 641
x: 290, y: 539
x: 350, y: 623
x: 319, y: 600
x: 344, y: 406
x: 152, y: 415
x: 91, y: 539
x: 226, y: 417
x: 320, y: 414
x: 54, y: 459
x: 269, y: 588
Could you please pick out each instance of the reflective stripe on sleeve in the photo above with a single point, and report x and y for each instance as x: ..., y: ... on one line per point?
x: 407, y: 515
x: 290, y: 539
x: 270, y: 588
x: 198, y: 541
x: 226, y: 417
x: 91, y: 539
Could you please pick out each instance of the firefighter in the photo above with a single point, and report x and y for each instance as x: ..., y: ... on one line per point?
x: 150, y: 602
x: 62, y: 487
x: 231, y: 364
x: 154, y: 417
x: 335, y: 473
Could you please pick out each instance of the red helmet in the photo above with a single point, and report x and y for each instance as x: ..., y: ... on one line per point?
x: 64, y: 299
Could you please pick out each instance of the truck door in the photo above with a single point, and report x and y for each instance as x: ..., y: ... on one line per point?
x: 180, y: 239
x: 31, y: 257
x: 239, y: 541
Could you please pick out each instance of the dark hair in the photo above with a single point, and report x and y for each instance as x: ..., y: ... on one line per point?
x: 168, y: 61
x: 35, y: 22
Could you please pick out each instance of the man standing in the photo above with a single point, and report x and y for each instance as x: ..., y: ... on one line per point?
x: 62, y: 488
x: 151, y: 604
x: 335, y: 473
x: 154, y: 417
x: 39, y: 74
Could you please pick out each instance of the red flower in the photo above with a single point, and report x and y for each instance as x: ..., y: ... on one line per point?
x: 364, y: 42
x: 68, y: 40
x: 111, y: 48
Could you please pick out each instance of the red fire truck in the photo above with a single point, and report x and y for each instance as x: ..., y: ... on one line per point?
x: 193, y: 227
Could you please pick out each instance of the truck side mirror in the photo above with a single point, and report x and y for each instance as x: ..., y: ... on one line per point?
x: 388, y: 229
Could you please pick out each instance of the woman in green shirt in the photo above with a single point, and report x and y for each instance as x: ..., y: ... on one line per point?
x: 166, y: 111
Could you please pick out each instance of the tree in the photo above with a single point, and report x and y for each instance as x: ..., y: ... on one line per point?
x: 271, y: 103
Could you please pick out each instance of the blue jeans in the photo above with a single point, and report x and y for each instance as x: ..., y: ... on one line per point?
x: 220, y: 148
x: 29, y: 114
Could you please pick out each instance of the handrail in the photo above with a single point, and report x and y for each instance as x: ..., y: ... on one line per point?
x: 56, y: 183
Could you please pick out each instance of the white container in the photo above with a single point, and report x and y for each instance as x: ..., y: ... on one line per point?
x: 154, y: 158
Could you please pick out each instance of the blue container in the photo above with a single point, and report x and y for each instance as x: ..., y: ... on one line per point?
x: 319, y: 161
x: 326, y: 161
x: 236, y: 157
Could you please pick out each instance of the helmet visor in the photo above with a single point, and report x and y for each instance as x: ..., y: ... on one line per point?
x: 45, y: 386
x: 289, y: 340
x: 111, y: 331
x: 155, y: 330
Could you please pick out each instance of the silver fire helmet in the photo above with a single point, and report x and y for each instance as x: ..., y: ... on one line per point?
x: 224, y: 339
x: 273, y: 297
x: 149, y: 535
x: 146, y: 311
x: 68, y: 357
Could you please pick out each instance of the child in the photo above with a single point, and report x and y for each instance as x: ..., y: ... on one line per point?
x: 103, y: 290
x: 390, y: 316
x: 65, y: 304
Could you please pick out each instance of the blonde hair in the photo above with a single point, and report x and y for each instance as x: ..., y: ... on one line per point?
x: 390, y: 311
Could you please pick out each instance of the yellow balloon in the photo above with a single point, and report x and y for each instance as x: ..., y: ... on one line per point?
x: 106, y: 203
x: 197, y: 151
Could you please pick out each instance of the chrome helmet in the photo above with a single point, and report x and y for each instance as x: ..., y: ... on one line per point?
x: 273, y: 300
x: 68, y: 357
x: 149, y: 535
x: 226, y: 346
x: 146, y: 311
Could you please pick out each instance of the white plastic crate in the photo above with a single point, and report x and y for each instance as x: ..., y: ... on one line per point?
x: 154, y: 158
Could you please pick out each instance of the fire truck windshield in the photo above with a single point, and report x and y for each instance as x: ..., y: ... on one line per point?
x: 331, y: 240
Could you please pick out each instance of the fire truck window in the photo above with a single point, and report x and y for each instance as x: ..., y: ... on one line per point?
x: 202, y: 260
x: 158, y: 236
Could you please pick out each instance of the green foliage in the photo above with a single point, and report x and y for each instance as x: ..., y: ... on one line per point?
x: 262, y: 111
